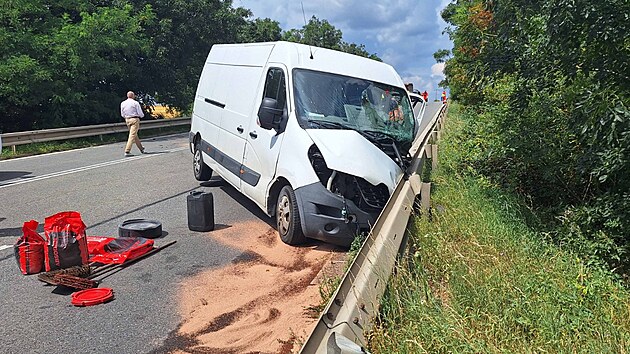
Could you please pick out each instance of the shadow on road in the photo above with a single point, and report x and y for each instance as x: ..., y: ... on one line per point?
x: 7, y: 175
x: 17, y: 231
x: 255, y: 210
x: 141, y: 208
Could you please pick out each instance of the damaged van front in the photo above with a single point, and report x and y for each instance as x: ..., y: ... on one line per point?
x: 361, y: 131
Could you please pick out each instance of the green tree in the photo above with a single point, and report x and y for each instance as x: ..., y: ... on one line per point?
x: 181, y: 37
x: 548, y: 86
x: 62, y: 61
x: 441, y: 55
x: 261, y: 30
x: 70, y: 62
x: 321, y: 33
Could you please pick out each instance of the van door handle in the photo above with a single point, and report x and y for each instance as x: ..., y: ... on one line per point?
x: 240, y: 129
x: 253, y: 135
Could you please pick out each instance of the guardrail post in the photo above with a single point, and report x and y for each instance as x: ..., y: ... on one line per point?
x: 14, y: 149
x: 425, y: 197
x: 431, y: 152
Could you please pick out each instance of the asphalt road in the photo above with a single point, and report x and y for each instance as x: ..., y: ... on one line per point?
x: 106, y: 189
x: 430, y: 111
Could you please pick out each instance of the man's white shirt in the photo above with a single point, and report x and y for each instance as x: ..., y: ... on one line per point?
x: 130, y: 108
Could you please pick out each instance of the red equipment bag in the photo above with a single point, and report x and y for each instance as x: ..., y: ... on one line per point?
x: 110, y: 250
x: 29, y: 249
x: 66, y: 244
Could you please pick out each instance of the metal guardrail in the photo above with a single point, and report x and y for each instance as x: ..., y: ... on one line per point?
x: 35, y: 136
x: 355, y: 304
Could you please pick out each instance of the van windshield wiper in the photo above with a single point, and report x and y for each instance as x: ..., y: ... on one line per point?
x: 328, y: 124
x: 375, y: 134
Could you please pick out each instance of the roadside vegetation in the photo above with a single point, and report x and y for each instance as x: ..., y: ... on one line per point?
x: 481, y: 277
x: 547, y: 95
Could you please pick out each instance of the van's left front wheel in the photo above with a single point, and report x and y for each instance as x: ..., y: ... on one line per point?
x: 288, y: 218
x: 200, y: 169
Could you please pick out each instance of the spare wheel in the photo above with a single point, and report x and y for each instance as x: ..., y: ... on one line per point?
x: 140, y: 228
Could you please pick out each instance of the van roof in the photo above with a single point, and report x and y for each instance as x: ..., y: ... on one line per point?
x: 296, y: 55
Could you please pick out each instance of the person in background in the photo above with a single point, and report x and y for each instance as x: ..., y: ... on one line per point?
x: 425, y: 95
x: 132, y: 112
x: 444, y: 97
x: 395, y: 110
x: 409, y: 87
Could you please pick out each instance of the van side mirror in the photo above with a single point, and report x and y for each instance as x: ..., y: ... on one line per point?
x: 269, y: 115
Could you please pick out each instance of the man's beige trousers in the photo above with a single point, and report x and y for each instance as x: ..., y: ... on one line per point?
x: 134, y: 125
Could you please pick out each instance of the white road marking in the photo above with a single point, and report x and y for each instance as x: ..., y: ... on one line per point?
x: 4, y: 247
x: 87, y: 168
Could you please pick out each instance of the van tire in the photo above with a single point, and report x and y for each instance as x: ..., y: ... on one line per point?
x: 200, y: 169
x: 288, y: 218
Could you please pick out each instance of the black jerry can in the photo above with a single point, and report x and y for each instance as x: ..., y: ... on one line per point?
x: 200, y: 211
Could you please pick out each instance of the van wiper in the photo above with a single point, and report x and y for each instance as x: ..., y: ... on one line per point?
x: 328, y: 124
x: 375, y: 134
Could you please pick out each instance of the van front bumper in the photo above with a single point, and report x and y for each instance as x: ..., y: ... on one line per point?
x: 329, y: 217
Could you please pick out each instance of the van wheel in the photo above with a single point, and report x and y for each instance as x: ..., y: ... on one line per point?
x: 288, y: 218
x: 200, y: 169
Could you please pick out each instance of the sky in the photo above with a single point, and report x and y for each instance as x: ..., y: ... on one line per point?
x: 403, y: 33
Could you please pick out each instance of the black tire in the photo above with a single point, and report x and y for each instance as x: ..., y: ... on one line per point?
x: 200, y: 169
x: 288, y: 218
x: 140, y: 228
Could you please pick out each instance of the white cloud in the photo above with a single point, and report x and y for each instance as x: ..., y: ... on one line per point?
x: 437, y: 70
x: 404, y: 33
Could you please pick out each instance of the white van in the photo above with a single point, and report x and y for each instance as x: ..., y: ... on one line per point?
x: 316, y: 137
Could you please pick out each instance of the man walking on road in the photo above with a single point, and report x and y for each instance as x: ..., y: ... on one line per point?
x: 132, y: 112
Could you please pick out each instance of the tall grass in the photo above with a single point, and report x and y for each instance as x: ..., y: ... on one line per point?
x: 478, y: 279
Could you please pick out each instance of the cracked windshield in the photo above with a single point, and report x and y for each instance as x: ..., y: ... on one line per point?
x: 377, y: 111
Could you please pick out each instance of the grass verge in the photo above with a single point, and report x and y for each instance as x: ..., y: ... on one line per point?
x: 69, y: 144
x: 478, y: 279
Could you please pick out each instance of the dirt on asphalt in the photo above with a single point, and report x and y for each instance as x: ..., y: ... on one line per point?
x: 263, y: 302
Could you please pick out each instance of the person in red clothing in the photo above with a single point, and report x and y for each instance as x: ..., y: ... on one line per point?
x: 444, y: 97
x: 425, y: 95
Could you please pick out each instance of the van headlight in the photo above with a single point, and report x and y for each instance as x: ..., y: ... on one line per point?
x: 319, y: 164
x: 362, y: 193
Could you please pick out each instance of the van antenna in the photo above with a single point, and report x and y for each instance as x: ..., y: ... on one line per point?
x: 304, y: 16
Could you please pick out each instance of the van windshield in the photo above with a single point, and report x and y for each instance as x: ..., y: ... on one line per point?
x: 330, y: 101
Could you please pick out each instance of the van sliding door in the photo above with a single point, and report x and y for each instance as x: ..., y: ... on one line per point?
x: 240, y: 82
